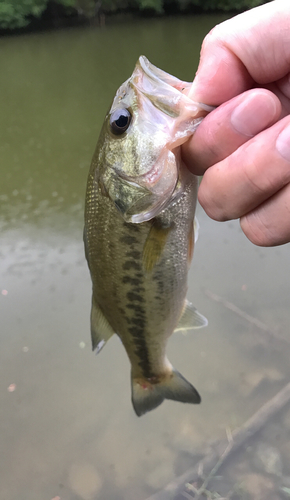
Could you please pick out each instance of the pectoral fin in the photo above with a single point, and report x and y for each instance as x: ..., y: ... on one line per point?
x: 154, y: 245
x: 190, y: 319
x: 101, y: 330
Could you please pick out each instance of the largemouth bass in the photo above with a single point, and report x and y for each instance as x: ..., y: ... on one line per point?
x: 139, y: 230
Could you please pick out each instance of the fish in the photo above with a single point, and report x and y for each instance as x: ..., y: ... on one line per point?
x: 139, y: 230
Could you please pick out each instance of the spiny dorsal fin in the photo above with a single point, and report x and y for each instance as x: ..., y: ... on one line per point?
x: 190, y: 319
x: 101, y: 330
x: 154, y: 245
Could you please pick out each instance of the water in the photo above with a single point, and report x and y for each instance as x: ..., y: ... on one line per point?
x: 67, y: 427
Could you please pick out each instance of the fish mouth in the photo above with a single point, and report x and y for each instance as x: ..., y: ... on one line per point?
x: 162, y: 108
x: 172, y: 94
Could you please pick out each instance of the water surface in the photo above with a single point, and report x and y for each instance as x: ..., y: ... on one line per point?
x: 67, y: 427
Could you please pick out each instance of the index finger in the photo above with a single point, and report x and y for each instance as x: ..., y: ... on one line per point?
x: 251, y: 48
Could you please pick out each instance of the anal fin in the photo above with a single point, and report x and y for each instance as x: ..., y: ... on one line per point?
x: 101, y: 330
x: 190, y: 319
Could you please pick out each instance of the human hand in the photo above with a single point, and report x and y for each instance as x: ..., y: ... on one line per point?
x: 243, y: 146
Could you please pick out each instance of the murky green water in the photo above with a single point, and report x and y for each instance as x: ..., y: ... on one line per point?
x: 67, y: 427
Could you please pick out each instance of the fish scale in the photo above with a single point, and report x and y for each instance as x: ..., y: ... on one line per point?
x: 139, y: 237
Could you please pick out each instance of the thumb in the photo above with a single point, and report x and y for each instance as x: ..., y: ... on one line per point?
x: 220, y: 75
x: 249, y: 49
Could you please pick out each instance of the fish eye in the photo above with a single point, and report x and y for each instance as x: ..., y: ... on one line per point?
x: 120, y: 121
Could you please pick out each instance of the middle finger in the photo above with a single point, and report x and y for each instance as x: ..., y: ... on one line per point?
x: 252, y: 174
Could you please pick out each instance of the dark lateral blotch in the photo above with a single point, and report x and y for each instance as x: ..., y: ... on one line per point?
x: 131, y: 264
x: 132, y: 281
x: 135, y: 297
x: 128, y: 239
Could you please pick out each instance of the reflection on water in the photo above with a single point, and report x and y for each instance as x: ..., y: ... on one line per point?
x: 67, y: 428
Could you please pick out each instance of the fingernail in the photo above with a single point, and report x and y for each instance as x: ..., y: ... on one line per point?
x: 283, y: 143
x: 254, y: 114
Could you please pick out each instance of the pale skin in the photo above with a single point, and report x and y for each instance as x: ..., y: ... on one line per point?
x: 243, y: 146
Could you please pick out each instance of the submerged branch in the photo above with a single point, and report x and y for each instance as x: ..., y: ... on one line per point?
x: 222, y: 449
x: 251, y: 319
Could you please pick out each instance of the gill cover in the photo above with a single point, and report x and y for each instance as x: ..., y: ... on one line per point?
x: 149, y: 118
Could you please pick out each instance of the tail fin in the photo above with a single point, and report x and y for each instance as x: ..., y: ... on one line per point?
x: 146, y: 395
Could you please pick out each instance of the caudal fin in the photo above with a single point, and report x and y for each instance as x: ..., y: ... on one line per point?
x: 146, y: 395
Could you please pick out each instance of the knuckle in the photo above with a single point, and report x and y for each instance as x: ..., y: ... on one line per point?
x: 212, y: 37
x: 254, y: 176
x: 263, y: 174
x: 257, y: 230
x: 268, y: 225
x: 213, y: 205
